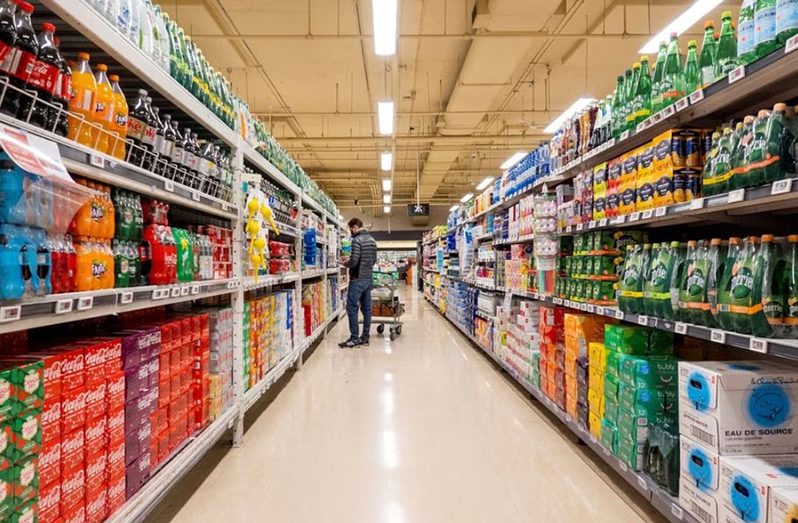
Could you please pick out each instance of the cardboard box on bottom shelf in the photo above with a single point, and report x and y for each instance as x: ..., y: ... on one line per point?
x: 739, y: 408
x: 784, y: 504
x: 699, y: 503
x: 746, y: 484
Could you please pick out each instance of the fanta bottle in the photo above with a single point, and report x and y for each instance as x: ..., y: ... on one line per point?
x: 107, y: 278
x: 109, y: 217
x: 83, y: 277
x: 119, y: 120
x: 84, y: 89
x: 103, y: 108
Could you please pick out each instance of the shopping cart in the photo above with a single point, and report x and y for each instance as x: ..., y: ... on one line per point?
x: 386, y: 309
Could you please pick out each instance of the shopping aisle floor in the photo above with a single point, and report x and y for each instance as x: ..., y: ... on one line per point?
x: 423, y: 429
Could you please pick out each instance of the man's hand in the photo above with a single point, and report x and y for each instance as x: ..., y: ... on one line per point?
x: 344, y: 260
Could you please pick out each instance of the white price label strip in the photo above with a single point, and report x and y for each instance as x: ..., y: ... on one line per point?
x: 682, y: 104
x: 697, y: 203
x: 624, y: 135
x: 647, y: 214
x: 175, y: 292
x: 602, y: 222
x: 718, y: 336
x: 85, y: 303
x: 195, y: 196
x: 619, y: 315
x: 668, y: 111
x: 63, y: 306
x: 736, y: 74
x: 697, y: 96
x: 169, y: 186
x: 12, y: 313
x: 97, y: 161
x: 758, y: 345
x: 184, y: 291
x: 125, y: 298
x: 680, y: 328
x: 781, y: 186
x: 600, y: 311
x: 791, y: 44
x: 635, y: 216
x: 642, y: 320
x: 659, y: 212
x: 735, y: 196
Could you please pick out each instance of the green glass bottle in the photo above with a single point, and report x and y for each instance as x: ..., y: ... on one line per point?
x: 673, y: 75
x: 709, y: 51
x: 727, y: 48
x: 692, y: 72
x: 765, y: 27
x: 618, y: 121
x: 659, y: 69
x: 630, y: 97
x: 642, y: 103
x: 746, y: 30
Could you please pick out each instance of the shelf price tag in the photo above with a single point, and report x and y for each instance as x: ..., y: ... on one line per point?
x: 583, y: 307
x: 158, y: 294
x: 184, y: 290
x: 647, y: 214
x: 602, y: 222
x: 668, y: 111
x: 781, y: 186
x: 97, y: 161
x: 169, y: 185
x: 125, y: 298
x: 682, y: 104
x: 696, y: 203
x: 736, y: 74
x: 599, y: 310
x: 635, y: 216
x: 619, y: 315
x: 12, y: 313
x: 736, y: 195
x: 657, y: 117
x: 680, y: 328
x: 696, y: 96
x: 659, y: 212
x: 718, y: 336
x: 174, y: 292
x: 758, y: 345
x: 642, y: 320
x: 677, y: 511
x: 618, y: 220
x: 791, y: 44
x: 580, y: 226
x: 592, y: 224
x: 85, y: 303
x: 569, y: 228
x: 63, y: 306
x: 624, y: 136
x: 589, y: 308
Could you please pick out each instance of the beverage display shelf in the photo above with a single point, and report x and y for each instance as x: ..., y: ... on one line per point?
x: 92, y: 25
x: 68, y: 307
x: 779, y: 195
x: 254, y: 393
x: 308, y: 341
x: 758, y: 85
x: 263, y: 282
x: 660, y: 499
x: 147, y: 498
x: 266, y: 167
x: 313, y: 273
x: 310, y: 203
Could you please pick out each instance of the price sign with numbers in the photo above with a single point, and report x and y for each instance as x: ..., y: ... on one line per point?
x: 718, y: 336
x: 634, y: 216
x: 758, y: 345
x: 736, y: 74
x: 647, y: 214
x: 735, y: 196
x: 63, y: 306
x: 619, y: 315
x: 696, y: 203
x: 659, y: 212
x: 781, y: 186
x: 680, y: 328
x: 12, y: 313
x: 696, y: 96
x: 85, y: 303
x: 169, y: 185
x: 682, y: 104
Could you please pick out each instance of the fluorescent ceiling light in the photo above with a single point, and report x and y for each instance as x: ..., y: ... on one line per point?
x: 386, y: 199
x: 466, y: 197
x: 484, y: 183
x: 386, y: 185
x: 683, y: 22
x: 341, y: 217
x: 385, y: 15
x: 577, y: 106
x: 386, y: 161
x: 453, y: 208
x: 514, y: 159
x: 386, y: 209
x: 385, y: 115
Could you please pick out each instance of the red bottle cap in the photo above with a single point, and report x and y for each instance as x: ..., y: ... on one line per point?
x: 47, y: 26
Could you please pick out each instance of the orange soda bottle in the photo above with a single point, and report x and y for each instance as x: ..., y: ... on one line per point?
x: 103, y: 108
x: 83, y: 273
x: 119, y: 120
x: 109, y: 223
x: 84, y: 92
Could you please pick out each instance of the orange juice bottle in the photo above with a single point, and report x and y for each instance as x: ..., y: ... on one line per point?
x: 84, y: 92
x: 104, y: 109
x: 119, y: 120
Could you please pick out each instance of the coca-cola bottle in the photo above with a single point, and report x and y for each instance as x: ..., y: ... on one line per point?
x: 137, y: 125
x: 150, y: 136
x: 57, y: 119
x: 195, y: 159
x: 8, y: 54
x: 44, y: 78
x: 177, y: 153
x: 27, y: 50
x: 158, y: 165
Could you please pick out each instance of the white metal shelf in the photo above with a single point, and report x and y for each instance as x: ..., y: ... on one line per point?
x: 254, y: 393
x: 251, y: 283
x: 314, y: 273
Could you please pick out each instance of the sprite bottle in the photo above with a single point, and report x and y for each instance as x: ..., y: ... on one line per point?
x: 709, y: 51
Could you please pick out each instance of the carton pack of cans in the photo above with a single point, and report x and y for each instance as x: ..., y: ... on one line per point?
x: 268, y: 328
x: 220, y: 371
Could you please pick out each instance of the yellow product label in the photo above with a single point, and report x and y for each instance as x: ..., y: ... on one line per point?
x: 661, y: 149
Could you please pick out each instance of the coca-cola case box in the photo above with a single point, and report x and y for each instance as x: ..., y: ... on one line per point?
x: 51, y: 419
x: 73, y: 491
x: 74, y: 513
x: 50, y: 464
x: 73, y: 410
x: 95, y: 433
x: 73, y: 452
x: 115, y: 391
x: 137, y: 473
x: 139, y: 345
x: 117, y: 493
x: 96, y: 505
x: 115, y: 464
x: 25, y: 513
x: 50, y: 503
x: 95, y: 400
x: 96, y: 463
x: 72, y: 363
x: 115, y: 432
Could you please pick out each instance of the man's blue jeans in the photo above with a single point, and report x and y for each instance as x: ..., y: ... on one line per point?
x: 359, y: 295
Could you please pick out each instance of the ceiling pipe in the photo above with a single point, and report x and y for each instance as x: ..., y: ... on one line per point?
x: 434, y: 36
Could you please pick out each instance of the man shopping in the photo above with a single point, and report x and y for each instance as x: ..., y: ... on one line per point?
x: 361, y: 266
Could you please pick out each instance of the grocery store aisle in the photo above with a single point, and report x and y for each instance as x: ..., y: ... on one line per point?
x: 424, y: 429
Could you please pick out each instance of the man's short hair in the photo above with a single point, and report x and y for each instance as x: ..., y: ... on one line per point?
x: 355, y: 222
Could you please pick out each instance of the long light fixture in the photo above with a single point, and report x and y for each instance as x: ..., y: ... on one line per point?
x: 386, y: 161
x: 484, y: 183
x: 386, y: 209
x: 454, y: 208
x: 467, y: 197
x: 682, y: 23
x: 385, y: 116
x: 386, y: 199
x: 577, y: 106
x: 512, y: 160
x: 386, y: 185
x: 385, y: 14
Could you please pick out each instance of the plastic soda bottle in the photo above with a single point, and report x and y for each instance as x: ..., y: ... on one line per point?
x: 740, y: 155
x: 720, y: 176
x: 715, y: 265
x: 27, y: 50
x: 103, y: 109
x: 709, y: 51
x: 8, y: 53
x: 84, y: 88
x: 746, y: 32
x: 769, y: 288
x: 741, y: 300
x: 617, y: 108
x: 724, y: 297
x: 765, y: 27
x: 44, y: 79
x: 791, y: 291
x: 117, y: 148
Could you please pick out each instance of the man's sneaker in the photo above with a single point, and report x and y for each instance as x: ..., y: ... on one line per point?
x: 363, y: 341
x: 350, y: 343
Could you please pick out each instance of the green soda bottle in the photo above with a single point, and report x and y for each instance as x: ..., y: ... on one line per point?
x: 746, y: 33
x: 715, y: 264
x: 630, y: 284
x: 740, y: 154
x: 727, y: 48
x: 709, y: 159
x: 689, y: 284
x: 654, y: 271
x: 121, y: 276
x: 631, y: 94
x: 764, y: 160
x: 185, y: 59
x: 741, y: 287
x: 659, y: 71
x: 791, y: 291
x: 721, y: 166
x: 673, y: 76
x: 770, y: 288
x: 725, y: 317
x: 642, y: 104
x: 692, y: 72
x: 709, y: 51
x: 617, y: 108
x: 670, y: 305
x: 786, y: 20
x: 765, y: 27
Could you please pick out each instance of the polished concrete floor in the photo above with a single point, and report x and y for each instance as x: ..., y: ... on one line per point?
x: 422, y: 429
